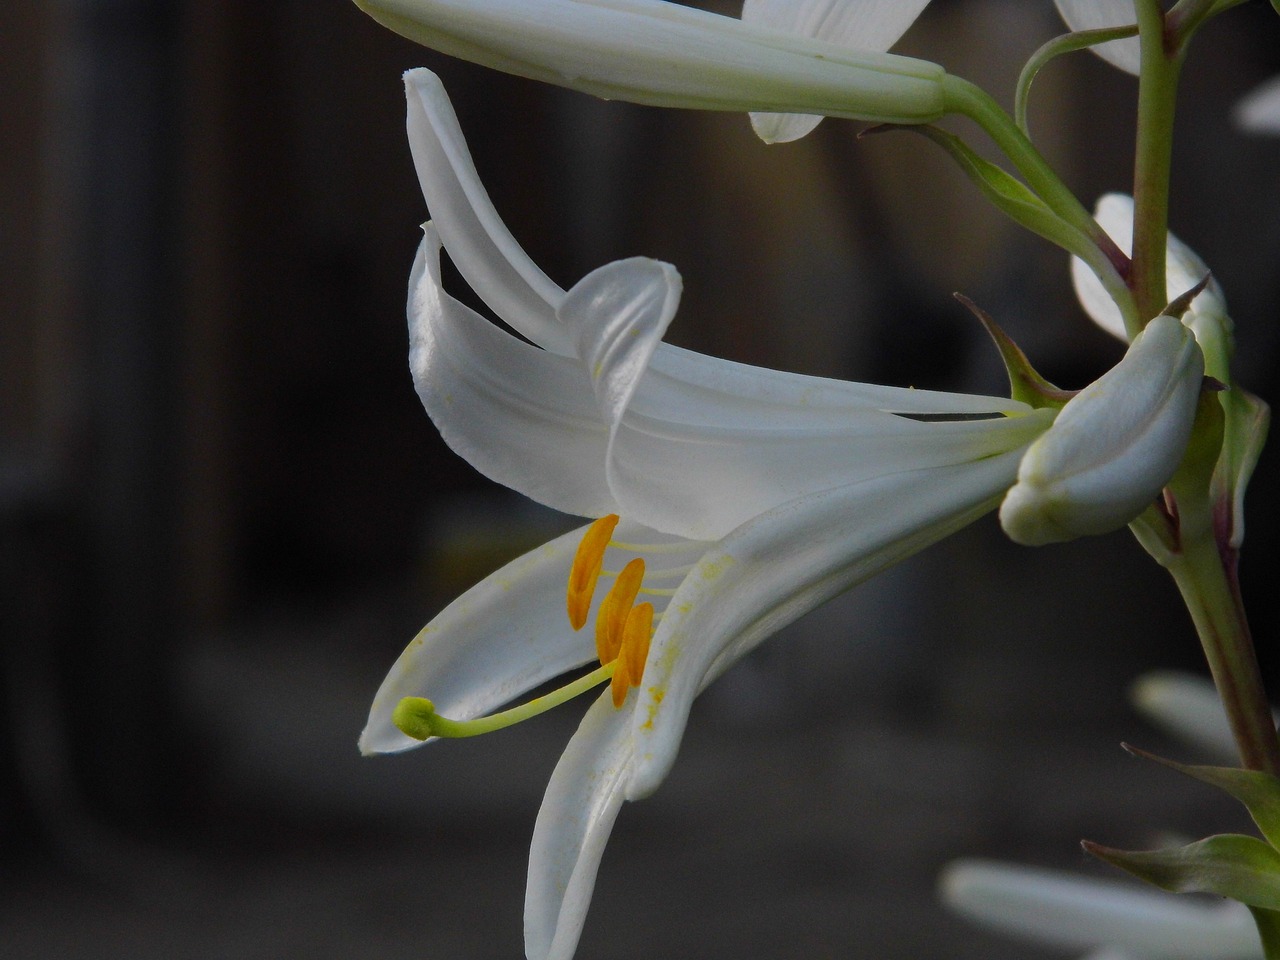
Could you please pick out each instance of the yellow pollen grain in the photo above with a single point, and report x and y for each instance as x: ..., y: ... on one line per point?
x: 585, y: 572
x: 615, y: 608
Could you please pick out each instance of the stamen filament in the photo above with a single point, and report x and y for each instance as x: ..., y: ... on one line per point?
x: 416, y: 716
x: 659, y: 591
x: 651, y: 547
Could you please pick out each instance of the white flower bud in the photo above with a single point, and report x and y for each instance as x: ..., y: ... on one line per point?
x: 1113, y: 446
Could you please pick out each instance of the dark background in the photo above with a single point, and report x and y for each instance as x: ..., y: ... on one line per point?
x: 223, y: 512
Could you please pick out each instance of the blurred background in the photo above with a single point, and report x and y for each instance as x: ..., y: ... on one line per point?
x: 223, y: 512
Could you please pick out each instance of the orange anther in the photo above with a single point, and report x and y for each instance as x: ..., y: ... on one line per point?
x: 635, y: 641
x: 615, y: 608
x: 585, y: 571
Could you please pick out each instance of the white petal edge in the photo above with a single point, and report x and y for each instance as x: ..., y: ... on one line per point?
x: 1113, y: 446
x: 1114, y: 213
x: 583, y: 797
x: 1097, y: 14
x: 778, y: 567
x: 1070, y: 912
x: 854, y: 24
x: 522, y: 416
x: 1259, y: 112
x: 479, y: 243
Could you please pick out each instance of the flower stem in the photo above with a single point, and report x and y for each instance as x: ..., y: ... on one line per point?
x: 1112, y: 266
x: 1206, y: 577
x: 1153, y: 155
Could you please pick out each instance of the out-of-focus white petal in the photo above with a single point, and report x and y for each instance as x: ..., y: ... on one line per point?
x: 667, y: 54
x: 1098, y: 14
x: 1188, y: 707
x: 854, y: 24
x: 779, y: 566
x: 1259, y: 112
x: 1113, y: 446
x: 582, y: 801
x: 1114, y: 213
x: 486, y: 254
x: 521, y: 416
x: 1074, y: 913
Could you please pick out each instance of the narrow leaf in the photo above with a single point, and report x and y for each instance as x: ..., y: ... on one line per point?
x: 1258, y: 791
x: 1228, y: 865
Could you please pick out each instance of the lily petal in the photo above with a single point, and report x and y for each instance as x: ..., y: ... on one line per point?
x: 1114, y: 213
x: 522, y: 416
x: 1071, y: 912
x: 853, y: 24
x: 666, y: 54
x: 503, y: 637
x: 779, y: 566
x: 1113, y: 446
x: 1098, y: 14
x: 1259, y: 112
x: 577, y: 814
x: 489, y: 258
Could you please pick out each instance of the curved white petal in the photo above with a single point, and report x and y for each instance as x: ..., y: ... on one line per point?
x: 579, y: 808
x: 1114, y: 213
x: 479, y: 243
x: 521, y: 416
x: 667, y: 54
x: 1113, y: 446
x: 1097, y: 14
x: 1074, y: 913
x: 854, y: 24
x: 779, y: 566
x: 618, y: 315
x: 1259, y: 112
x: 505, y: 635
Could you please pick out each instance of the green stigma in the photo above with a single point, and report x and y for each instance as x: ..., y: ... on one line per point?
x: 416, y: 716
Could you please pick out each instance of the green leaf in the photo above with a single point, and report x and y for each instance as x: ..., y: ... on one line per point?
x: 1229, y: 865
x: 1245, y: 433
x: 1258, y: 791
x: 1025, y: 383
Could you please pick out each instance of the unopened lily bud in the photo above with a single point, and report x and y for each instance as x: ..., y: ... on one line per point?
x: 1113, y: 446
x: 670, y: 55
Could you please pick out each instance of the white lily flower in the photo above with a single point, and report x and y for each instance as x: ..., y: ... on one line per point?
x: 1109, y: 918
x: 1114, y: 445
x: 666, y: 54
x: 762, y: 494
x: 1100, y: 14
x: 873, y: 25
x: 1259, y: 112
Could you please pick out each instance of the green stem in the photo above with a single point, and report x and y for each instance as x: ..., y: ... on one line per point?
x: 968, y: 100
x: 1207, y: 580
x: 1157, y: 95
